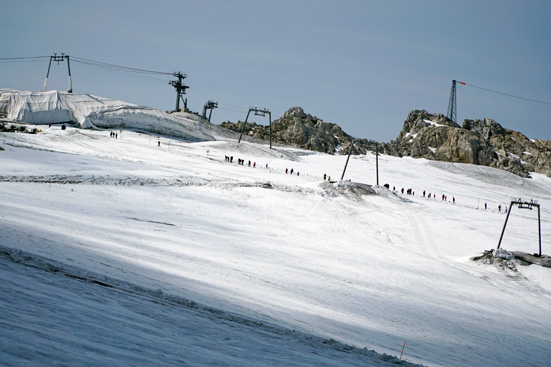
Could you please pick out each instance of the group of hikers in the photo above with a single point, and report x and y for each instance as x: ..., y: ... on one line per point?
x: 241, y: 162
x: 444, y: 197
x: 409, y: 191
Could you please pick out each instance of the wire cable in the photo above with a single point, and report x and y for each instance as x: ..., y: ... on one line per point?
x: 139, y: 76
x: 23, y: 59
x: 117, y: 67
x: 506, y: 94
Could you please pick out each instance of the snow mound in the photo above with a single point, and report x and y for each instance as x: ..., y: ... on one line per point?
x: 90, y: 111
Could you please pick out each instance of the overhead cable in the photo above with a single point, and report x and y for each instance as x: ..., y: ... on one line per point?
x: 506, y: 94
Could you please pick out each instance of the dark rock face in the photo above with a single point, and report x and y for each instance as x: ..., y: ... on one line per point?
x: 424, y: 135
x: 305, y: 131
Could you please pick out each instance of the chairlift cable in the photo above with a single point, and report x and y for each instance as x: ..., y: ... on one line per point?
x: 506, y: 94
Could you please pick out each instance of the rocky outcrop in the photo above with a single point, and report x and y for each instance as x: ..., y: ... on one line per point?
x: 482, y: 142
x: 424, y: 135
x: 303, y: 130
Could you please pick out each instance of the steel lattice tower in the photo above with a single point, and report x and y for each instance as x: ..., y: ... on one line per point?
x: 452, y: 105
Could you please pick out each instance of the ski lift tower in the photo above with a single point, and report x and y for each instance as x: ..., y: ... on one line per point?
x: 452, y: 105
x: 59, y: 59
x: 180, y: 89
x: 523, y: 204
x: 257, y: 112
x: 210, y: 105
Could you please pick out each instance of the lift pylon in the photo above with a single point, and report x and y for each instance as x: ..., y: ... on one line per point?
x: 522, y: 205
x: 59, y: 59
x: 210, y: 105
x: 257, y: 112
x: 180, y: 88
x: 452, y: 104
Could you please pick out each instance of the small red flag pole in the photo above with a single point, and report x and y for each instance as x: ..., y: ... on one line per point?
x: 403, y: 349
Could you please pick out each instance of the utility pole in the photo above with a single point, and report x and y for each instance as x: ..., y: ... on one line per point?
x: 180, y: 88
x: 347, y: 159
x: 257, y: 112
x: 377, y: 162
x: 59, y: 59
x: 210, y: 105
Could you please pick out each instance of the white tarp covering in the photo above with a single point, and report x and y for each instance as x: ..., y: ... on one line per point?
x: 90, y: 111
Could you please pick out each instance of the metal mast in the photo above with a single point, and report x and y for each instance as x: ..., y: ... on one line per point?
x: 452, y: 105
x: 180, y: 88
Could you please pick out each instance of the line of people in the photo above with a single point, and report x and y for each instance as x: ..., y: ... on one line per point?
x: 241, y: 162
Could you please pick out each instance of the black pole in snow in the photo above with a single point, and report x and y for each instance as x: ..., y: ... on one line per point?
x: 377, y: 162
x: 539, y: 227
x: 505, y: 224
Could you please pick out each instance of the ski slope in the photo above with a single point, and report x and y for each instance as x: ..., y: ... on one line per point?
x: 123, y: 252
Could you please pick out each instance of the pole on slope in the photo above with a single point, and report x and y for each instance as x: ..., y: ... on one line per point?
x: 539, y: 228
x: 347, y: 159
x: 403, y: 349
x: 377, y: 162
x: 270, y: 117
x: 505, y: 224
x: 48, y: 74
x: 70, y: 90
x: 245, y: 123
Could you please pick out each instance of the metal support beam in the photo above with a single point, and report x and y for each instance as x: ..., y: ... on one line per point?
x: 505, y: 224
x: 347, y: 158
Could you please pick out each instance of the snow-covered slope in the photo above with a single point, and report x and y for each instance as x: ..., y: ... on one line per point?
x: 116, y: 251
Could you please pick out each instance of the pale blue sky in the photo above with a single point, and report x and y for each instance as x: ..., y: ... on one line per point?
x: 361, y: 64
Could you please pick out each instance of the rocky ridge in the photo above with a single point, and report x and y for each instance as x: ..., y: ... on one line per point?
x: 296, y: 128
x: 482, y: 142
x: 424, y: 135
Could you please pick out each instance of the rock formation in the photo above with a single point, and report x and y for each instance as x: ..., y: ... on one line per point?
x: 424, y: 135
x: 483, y: 142
x: 296, y: 128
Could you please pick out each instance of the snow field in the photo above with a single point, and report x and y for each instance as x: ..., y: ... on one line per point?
x: 366, y: 271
